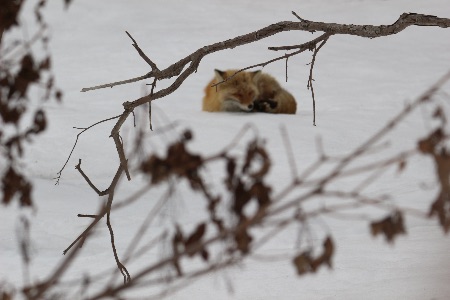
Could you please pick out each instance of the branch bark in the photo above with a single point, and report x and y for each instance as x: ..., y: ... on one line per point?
x: 368, y: 31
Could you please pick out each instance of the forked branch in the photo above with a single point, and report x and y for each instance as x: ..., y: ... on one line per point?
x: 368, y: 31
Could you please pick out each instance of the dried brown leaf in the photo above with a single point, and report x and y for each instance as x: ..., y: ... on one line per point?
x: 243, y: 239
x: 327, y: 255
x: 305, y: 263
x: 27, y: 75
x: 428, y: 144
x: 195, y: 238
x: 441, y: 208
x: 241, y: 197
x: 440, y: 115
x: 45, y: 64
x: 390, y: 227
x: 157, y: 168
x: 59, y: 95
x: 256, y: 153
x: 204, y: 254
x: 262, y: 193
x: 231, y: 173
x: 442, y: 161
x: 40, y: 123
x: 179, y: 162
x: 9, y: 13
x: 432, y: 145
x: 302, y: 263
x: 11, y: 114
x: 14, y: 184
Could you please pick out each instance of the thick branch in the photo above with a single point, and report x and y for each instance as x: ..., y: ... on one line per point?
x: 369, y: 31
x: 119, y: 145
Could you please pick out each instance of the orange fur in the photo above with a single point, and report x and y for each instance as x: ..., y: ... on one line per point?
x: 239, y: 93
x: 235, y: 94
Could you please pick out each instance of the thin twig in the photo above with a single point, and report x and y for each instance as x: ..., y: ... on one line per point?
x: 307, y: 46
x: 75, y: 144
x: 100, y: 215
x: 150, y: 105
x: 287, y: 58
x: 120, y: 266
x: 119, y: 146
x: 297, y: 16
x: 87, y: 216
x: 78, y: 167
x: 310, y: 80
x: 113, y: 84
x: 142, y: 54
x: 301, y: 48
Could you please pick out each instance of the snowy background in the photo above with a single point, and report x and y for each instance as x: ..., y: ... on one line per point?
x: 360, y: 84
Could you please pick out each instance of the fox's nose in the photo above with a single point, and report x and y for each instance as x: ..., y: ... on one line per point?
x: 250, y: 106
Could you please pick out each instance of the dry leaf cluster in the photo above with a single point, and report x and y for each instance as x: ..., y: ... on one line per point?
x: 20, y: 72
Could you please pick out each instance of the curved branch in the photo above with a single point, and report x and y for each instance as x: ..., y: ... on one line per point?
x: 369, y: 31
x: 75, y: 144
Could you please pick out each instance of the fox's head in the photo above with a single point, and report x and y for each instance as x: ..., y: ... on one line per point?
x: 238, y: 92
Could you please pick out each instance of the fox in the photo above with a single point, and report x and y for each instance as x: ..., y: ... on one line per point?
x: 234, y: 94
x: 247, y: 92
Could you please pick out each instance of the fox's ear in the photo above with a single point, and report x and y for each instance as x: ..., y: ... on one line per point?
x: 256, y: 75
x: 220, y: 75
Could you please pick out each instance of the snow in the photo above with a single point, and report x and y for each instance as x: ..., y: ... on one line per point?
x: 360, y: 84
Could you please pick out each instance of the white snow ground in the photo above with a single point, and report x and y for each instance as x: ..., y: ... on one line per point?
x: 360, y: 83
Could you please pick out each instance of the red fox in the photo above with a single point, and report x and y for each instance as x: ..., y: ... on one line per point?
x: 235, y: 94
x: 247, y: 92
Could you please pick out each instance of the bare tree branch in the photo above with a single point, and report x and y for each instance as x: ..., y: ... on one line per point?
x: 101, y: 214
x: 75, y: 144
x: 311, y: 79
x: 368, y: 31
x: 143, y: 55
x: 78, y: 167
